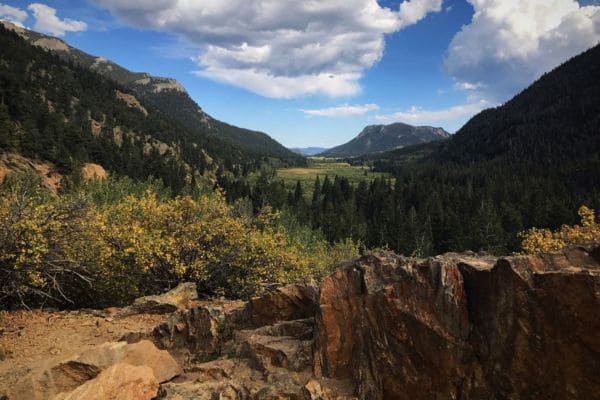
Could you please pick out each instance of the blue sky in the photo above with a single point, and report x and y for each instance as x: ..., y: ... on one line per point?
x: 314, y: 73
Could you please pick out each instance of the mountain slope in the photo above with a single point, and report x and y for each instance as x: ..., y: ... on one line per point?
x: 56, y: 111
x: 381, y: 138
x: 556, y: 119
x: 166, y: 95
x: 531, y: 163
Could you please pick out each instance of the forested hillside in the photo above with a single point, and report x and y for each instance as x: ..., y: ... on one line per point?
x: 57, y: 111
x: 530, y: 163
x: 169, y: 97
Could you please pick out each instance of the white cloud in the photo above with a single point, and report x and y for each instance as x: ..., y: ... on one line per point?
x: 419, y: 116
x: 279, y: 48
x: 284, y: 87
x: 468, y: 85
x: 46, y: 21
x: 12, y: 14
x: 413, y: 11
x: 510, y: 43
x: 341, y: 111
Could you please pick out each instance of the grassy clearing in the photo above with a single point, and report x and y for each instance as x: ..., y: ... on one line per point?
x: 324, y: 167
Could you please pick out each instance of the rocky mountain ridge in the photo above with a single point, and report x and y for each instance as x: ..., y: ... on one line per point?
x: 382, y: 326
x: 382, y: 138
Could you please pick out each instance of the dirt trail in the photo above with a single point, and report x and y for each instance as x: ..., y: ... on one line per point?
x: 28, y: 338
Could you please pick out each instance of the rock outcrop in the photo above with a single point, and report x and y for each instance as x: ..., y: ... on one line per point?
x: 68, y: 374
x: 181, y: 297
x: 460, y: 326
x: 457, y: 326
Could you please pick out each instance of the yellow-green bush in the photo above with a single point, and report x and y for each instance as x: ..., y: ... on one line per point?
x: 152, y: 245
x: 69, y: 248
x: 537, y: 240
x: 46, y: 245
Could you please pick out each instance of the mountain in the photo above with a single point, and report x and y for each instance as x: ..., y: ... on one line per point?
x: 309, y: 151
x: 381, y: 138
x: 167, y: 96
x: 532, y: 162
x: 56, y: 116
x: 555, y: 121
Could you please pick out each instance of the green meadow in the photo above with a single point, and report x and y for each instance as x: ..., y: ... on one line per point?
x: 322, y: 167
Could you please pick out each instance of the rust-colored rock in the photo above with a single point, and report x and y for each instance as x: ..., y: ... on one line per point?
x: 282, y: 304
x: 120, y: 382
x: 91, y: 171
x: 183, y: 296
x: 459, y: 326
x: 191, y: 332
x: 53, y: 377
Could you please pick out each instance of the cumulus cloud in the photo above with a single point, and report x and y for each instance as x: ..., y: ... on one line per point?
x: 510, y: 43
x: 283, y: 48
x: 413, y: 11
x: 419, y: 116
x: 342, y: 111
x: 12, y: 14
x: 46, y: 21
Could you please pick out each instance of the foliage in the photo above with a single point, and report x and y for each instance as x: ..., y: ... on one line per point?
x: 325, y: 167
x: 544, y: 240
x: 91, y: 249
x: 49, y: 105
x: 530, y: 162
x: 46, y: 244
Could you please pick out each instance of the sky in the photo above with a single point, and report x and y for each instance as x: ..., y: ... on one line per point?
x: 316, y: 72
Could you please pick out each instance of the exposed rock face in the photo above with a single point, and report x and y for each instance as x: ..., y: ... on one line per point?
x: 194, y: 333
x: 131, y: 101
x: 119, y: 382
x: 456, y: 326
x: 202, y: 330
x: 11, y: 163
x: 91, y: 171
x: 464, y: 327
x: 181, y: 297
x: 285, y: 303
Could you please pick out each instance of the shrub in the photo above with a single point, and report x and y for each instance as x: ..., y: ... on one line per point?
x: 153, y: 245
x: 46, y: 245
x: 93, y: 249
x: 537, y: 240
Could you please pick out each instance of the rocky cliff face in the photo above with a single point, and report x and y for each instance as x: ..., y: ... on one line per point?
x: 456, y: 326
x: 463, y: 326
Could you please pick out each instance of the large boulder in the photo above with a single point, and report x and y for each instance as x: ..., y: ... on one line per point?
x: 461, y: 326
x: 144, y: 353
x: 184, y: 296
x: 65, y: 375
x: 120, y: 382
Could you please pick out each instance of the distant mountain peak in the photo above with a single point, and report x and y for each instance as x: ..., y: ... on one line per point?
x: 381, y: 138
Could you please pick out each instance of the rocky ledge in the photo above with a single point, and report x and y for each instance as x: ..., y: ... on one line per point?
x: 456, y: 326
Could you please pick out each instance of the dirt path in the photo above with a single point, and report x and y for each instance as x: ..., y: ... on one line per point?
x: 28, y: 338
